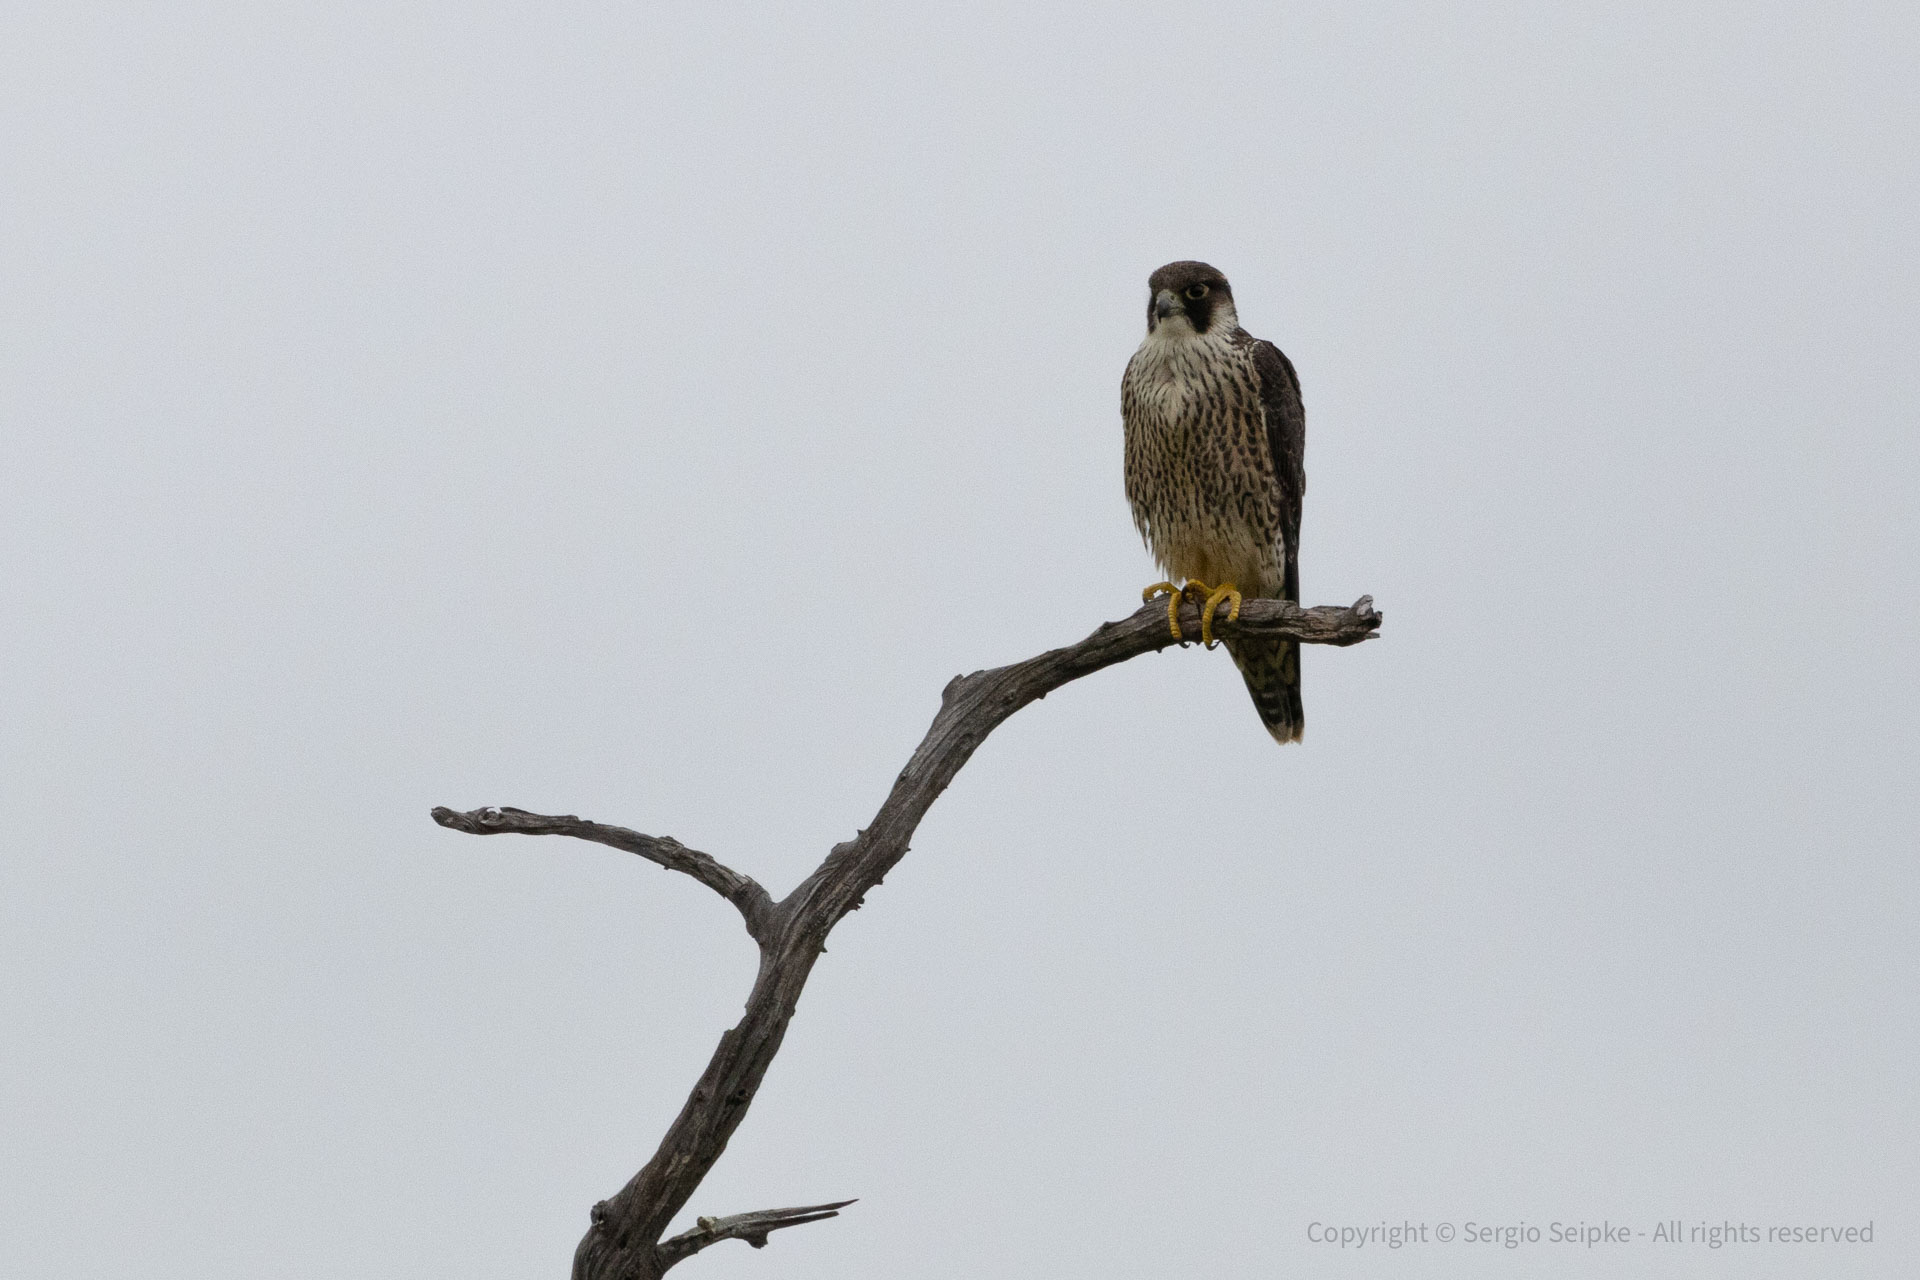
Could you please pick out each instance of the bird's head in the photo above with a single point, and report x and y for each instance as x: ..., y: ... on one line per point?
x: 1189, y: 298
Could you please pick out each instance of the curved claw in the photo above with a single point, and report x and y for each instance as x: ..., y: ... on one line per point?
x: 1227, y: 592
x: 1158, y: 589
x: 1197, y: 591
x: 1173, y: 595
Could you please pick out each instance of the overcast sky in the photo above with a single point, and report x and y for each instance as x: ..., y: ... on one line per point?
x: 641, y: 411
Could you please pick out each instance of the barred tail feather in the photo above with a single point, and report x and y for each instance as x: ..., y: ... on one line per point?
x: 1271, y: 669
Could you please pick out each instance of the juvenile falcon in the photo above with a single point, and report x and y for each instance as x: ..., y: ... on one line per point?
x: 1215, y: 471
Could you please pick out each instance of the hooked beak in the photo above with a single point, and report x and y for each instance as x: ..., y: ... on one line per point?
x: 1165, y: 303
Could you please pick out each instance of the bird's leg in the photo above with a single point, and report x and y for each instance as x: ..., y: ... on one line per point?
x: 1173, y: 595
x: 1226, y: 592
x: 1195, y: 589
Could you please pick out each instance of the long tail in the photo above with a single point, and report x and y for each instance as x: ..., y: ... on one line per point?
x: 1271, y: 669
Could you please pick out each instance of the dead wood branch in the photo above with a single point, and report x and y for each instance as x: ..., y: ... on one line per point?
x: 751, y: 1227
x: 625, y: 1241
x: 743, y: 892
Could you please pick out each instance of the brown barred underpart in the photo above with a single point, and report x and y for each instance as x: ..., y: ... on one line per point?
x: 1215, y: 437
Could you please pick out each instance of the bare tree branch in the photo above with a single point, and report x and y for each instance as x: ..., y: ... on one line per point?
x: 974, y: 706
x: 743, y: 892
x: 751, y: 1227
x: 624, y: 1241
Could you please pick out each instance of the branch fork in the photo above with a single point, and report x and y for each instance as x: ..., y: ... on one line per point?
x: 624, y: 1239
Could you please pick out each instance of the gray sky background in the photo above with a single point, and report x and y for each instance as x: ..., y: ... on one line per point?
x: 641, y: 411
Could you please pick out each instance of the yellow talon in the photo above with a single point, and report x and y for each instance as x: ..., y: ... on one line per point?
x: 1196, y: 590
x: 1173, y: 605
x: 1231, y: 595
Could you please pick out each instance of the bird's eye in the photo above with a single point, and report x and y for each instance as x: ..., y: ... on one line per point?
x: 1196, y: 291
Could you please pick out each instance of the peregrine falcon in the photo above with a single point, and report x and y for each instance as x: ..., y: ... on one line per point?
x: 1215, y: 471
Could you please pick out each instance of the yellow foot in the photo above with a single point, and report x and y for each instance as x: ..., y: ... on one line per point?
x: 1225, y: 592
x: 1197, y: 590
x: 1173, y: 594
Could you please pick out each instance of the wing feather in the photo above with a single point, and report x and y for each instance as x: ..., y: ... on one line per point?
x: 1286, y: 418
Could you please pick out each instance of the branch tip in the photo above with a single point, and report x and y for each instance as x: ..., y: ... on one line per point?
x: 751, y: 1227
x: 669, y: 854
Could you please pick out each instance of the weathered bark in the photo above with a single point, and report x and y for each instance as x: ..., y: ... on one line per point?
x: 625, y: 1241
